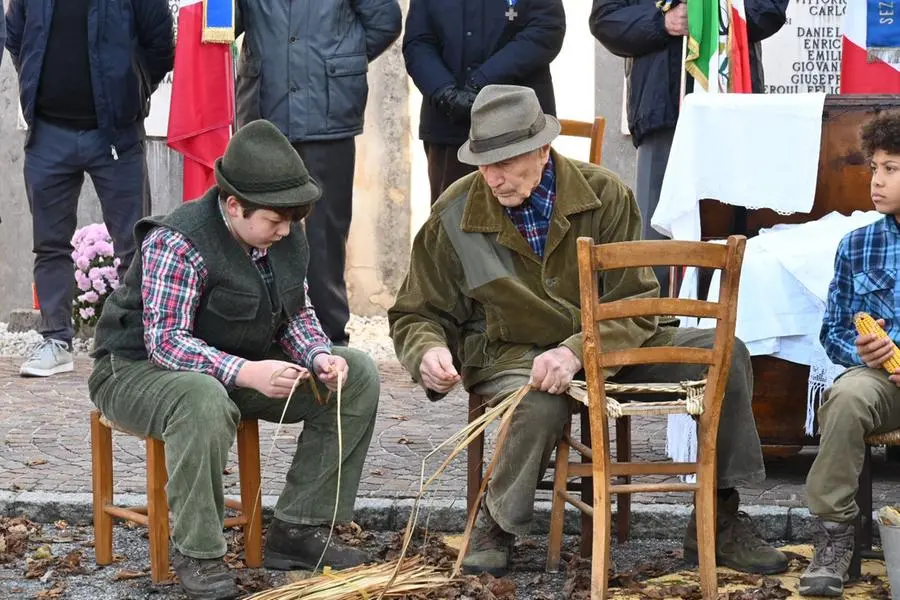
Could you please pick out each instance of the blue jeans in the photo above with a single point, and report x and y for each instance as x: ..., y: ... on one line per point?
x: 56, y: 160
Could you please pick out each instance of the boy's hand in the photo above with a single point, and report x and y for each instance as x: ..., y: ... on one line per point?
x: 272, y: 378
x: 437, y: 370
x: 327, y: 367
x: 874, y: 351
x: 553, y: 370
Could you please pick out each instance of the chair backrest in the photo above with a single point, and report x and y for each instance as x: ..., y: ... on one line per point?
x: 586, y: 129
x: 593, y: 258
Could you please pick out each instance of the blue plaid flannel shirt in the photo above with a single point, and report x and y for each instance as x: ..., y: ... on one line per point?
x: 865, y: 279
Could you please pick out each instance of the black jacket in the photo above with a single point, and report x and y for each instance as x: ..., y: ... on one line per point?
x: 132, y: 47
x: 635, y: 30
x: 459, y: 42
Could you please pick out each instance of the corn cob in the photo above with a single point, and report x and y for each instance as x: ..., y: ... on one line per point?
x: 865, y: 324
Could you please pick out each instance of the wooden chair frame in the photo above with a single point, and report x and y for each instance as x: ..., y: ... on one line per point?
x: 475, y: 453
x: 591, y: 259
x: 155, y: 515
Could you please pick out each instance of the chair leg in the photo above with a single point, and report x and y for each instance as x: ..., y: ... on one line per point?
x: 251, y: 494
x: 157, y: 510
x: 474, y: 454
x: 623, y: 501
x: 102, y: 484
x: 864, y: 521
x: 600, y: 558
x: 587, y: 489
x: 705, y: 503
x: 558, y: 507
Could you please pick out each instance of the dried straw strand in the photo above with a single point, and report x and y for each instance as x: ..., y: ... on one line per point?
x: 468, y: 434
x: 337, y: 493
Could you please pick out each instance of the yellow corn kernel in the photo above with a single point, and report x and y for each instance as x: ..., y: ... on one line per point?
x: 865, y: 324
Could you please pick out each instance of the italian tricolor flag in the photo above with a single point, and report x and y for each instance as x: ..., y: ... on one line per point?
x: 867, y: 66
x: 718, y: 51
x: 202, y: 107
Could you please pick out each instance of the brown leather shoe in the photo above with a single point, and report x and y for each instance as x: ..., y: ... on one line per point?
x: 290, y: 547
x: 738, y: 545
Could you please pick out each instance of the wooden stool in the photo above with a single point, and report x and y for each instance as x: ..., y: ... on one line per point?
x: 155, y: 516
x: 865, y: 527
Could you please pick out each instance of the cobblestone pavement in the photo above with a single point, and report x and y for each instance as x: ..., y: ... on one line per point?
x: 45, y: 445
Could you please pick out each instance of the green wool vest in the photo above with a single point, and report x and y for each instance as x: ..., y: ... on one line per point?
x: 237, y: 312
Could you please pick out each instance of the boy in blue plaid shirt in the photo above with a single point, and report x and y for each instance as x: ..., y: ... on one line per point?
x: 865, y: 399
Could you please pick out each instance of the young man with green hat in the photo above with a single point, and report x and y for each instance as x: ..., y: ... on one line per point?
x: 494, y: 276
x: 211, y: 325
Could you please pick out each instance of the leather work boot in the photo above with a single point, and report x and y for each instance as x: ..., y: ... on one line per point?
x: 738, y: 545
x: 290, y: 547
x: 205, y: 579
x: 827, y: 572
x: 489, y: 548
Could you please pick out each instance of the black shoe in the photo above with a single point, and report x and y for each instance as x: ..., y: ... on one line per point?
x: 205, y: 579
x: 290, y: 547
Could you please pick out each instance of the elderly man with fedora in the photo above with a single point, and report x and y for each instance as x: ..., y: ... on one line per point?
x: 492, y: 299
x: 213, y: 324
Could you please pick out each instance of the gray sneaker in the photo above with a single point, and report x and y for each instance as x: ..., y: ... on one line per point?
x: 827, y: 573
x: 48, y: 358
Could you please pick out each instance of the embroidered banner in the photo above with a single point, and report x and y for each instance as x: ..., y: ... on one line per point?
x: 218, y: 21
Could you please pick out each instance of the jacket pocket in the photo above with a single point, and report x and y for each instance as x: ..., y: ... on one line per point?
x: 876, y: 289
x: 348, y: 89
x: 246, y: 88
x: 233, y: 305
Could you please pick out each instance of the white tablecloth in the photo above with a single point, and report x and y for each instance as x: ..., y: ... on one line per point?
x: 751, y: 150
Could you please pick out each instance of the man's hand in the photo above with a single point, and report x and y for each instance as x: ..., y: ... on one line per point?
x: 455, y: 103
x: 437, y: 370
x: 327, y: 367
x: 553, y: 370
x: 677, y: 20
x: 272, y: 378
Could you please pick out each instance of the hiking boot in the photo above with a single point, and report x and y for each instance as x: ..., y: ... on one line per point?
x: 489, y: 548
x: 48, y: 358
x: 833, y: 547
x: 290, y: 547
x: 738, y: 545
x: 205, y: 579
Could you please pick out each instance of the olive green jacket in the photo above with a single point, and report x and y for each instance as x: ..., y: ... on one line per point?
x: 476, y: 286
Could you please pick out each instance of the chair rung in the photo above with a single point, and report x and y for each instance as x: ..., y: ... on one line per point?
x: 639, y: 488
x: 578, y: 503
x: 235, y: 521
x: 127, y: 515
x: 618, y: 469
x: 233, y: 503
x: 579, y: 447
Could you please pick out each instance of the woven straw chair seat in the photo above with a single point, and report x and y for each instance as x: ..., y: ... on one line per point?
x: 691, y: 404
x: 889, y: 438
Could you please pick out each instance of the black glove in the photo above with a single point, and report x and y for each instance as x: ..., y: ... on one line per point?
x: 455, y: 103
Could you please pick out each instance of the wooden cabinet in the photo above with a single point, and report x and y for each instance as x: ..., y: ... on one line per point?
x: 779, y: 396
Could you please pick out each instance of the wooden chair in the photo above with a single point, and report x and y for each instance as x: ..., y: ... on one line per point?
x: 475, y: 452
x: 155, y: 516
x: 703, y: 399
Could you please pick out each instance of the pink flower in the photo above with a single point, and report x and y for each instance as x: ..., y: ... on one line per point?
x: 86, y: 313
x: 84, y: 283
x: 82, y: 262
x: 100, y: 286
x: 91, y: 297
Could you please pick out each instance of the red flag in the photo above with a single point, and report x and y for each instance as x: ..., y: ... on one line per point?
x: 739, y: 55
x: 201, y: 111
x: 859, y: 73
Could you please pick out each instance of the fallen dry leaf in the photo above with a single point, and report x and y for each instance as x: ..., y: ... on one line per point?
x: 404, y: 440
x: 35, y: 462
x: 55, y: 592
x: 400, y: 418
x: 124, y: 574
